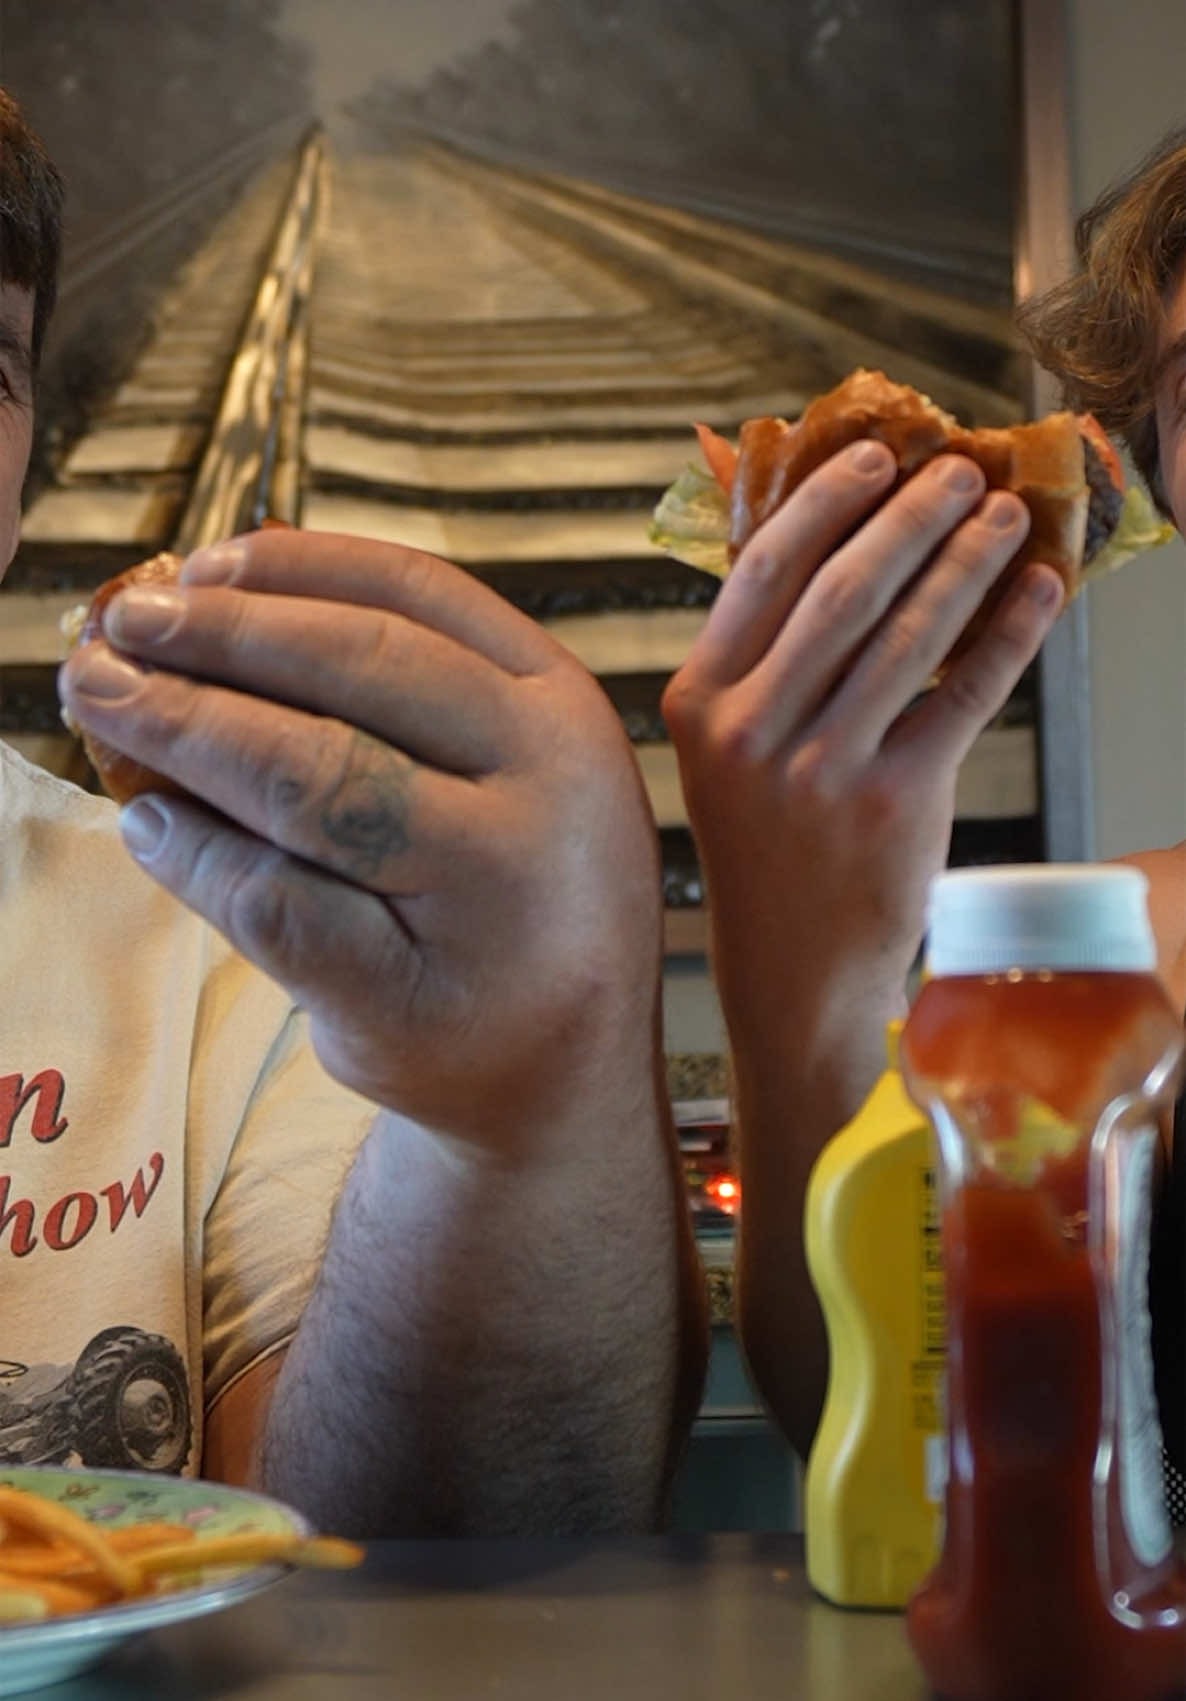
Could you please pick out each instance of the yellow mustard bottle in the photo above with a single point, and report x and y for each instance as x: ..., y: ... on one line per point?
x: 873, y: 1493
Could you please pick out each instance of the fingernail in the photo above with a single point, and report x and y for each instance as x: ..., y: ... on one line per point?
x: 1002, y: 511
x: 869, y: 457
x: 101, y: 674
x: 219, y: 564
x: 144, y: 824
x: 960, y: 476
x: 1045, y: 588
x: 144, y: 614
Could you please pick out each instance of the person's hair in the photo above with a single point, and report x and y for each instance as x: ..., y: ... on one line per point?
x: 1099, y: 332
x: 30, y: 216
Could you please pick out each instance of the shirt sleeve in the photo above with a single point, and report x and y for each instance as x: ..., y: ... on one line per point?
x: 265, y: 1229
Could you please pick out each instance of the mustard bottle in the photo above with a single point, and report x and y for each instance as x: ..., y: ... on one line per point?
x: 873, y: 1493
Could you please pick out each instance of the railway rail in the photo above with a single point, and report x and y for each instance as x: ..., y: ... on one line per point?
x: 500, y: 367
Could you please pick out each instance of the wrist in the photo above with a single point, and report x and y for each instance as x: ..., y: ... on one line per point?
x: 810, y: 1070
x: 602, y: 1107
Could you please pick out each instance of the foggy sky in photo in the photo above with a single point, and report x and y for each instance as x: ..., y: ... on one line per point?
x: 356, y: 41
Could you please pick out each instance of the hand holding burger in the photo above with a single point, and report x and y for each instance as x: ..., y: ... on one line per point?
x: 1083, y: 520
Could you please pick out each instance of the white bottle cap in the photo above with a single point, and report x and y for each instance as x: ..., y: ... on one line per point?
x: 1040, y: 916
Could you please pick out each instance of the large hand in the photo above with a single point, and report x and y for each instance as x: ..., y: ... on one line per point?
x: 820, y: 788
x: 423, y: 817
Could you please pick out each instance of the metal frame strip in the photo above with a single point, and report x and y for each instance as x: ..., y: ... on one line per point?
x: 1044, y: 255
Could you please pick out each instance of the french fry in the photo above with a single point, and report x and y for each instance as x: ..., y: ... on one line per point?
x: 57, y: 1523
x: 57, y: 1597
x: 42, y: 1559
x: 329, y: 1552
x: 54, y: 1562
x: 133, y: 1537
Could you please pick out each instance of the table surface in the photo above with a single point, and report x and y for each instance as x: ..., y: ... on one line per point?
x: 713, y: 1616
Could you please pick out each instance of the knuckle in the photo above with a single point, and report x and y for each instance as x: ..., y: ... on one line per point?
x: 171, y: 718
x: 910, y: 637
x: 974, y: 687
x: 237, y: 613
x: 815, y: 773
x: 741, y: 741
x: 918, y: 509
x: 831, y: 498
x: 970, y: 558
x: 683, y: 704
x: 981, y: 549
x: 259, y: 911
x: 840, y: 479
x: 375, y: 650
x: 293, y: 776
x: 847, y: 601
x: 759, y: 561
x: 414, y: 573
x: 818, y: 493
x: 937, y: 496
x: 1017, y: 628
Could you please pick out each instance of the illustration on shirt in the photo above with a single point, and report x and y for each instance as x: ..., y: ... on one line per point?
x: 124, y: 1405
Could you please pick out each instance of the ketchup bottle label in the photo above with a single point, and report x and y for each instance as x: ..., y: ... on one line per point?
x: 1138, y: 1437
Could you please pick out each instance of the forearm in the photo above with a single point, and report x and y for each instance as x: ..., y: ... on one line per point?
x: 789, y: 1099
x: 493, y: 1346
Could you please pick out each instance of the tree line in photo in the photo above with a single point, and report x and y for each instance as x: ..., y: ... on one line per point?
x: 819, y: 118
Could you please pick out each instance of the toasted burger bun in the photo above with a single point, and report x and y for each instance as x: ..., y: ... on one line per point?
x: 1043, y: 463
x: 120, y: 776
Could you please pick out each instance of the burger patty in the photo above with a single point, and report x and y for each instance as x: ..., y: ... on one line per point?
x: 1104, y: 503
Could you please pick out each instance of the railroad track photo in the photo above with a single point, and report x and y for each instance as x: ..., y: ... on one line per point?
x: 500, y: 366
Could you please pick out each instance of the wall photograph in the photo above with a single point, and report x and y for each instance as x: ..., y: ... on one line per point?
x: 533, y: 241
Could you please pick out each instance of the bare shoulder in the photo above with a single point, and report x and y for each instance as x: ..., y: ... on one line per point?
x: 1166, y: 871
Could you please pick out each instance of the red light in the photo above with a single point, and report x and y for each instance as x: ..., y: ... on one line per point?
x: 724, y: 1191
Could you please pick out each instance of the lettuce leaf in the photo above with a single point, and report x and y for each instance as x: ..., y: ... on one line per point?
x: 691, y: 522
x: 1140, y: 527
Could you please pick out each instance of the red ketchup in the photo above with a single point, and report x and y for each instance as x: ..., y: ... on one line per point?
x: 1045, y: 1051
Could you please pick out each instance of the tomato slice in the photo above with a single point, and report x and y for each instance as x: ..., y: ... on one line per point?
x: 719, y: 455
x: 1104, y: 447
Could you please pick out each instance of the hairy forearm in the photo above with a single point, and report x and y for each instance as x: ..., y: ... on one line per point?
x: 496, y: 1347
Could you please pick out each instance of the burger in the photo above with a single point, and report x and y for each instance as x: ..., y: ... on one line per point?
x: 1084, y: 518
x: 120, y: 776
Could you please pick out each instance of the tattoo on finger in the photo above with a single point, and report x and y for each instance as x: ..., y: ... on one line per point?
x: 366, y: 816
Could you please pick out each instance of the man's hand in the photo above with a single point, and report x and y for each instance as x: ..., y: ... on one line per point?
x: 423, y: 818
x: 820, y: 774
x: 819, y: 779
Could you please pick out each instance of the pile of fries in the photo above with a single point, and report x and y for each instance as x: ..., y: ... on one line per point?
x: 54, y: 1562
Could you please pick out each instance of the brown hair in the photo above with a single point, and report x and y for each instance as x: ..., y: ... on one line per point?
x: 1099, y: 331
x: 30, y: 216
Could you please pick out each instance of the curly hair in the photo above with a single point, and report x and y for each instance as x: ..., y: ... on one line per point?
x: 1099, y: 331
x: 31, y: 197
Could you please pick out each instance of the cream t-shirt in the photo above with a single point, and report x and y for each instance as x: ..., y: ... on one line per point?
x: 170, y: 1148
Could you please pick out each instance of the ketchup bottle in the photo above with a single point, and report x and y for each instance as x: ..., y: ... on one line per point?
x: 1044, y: 1051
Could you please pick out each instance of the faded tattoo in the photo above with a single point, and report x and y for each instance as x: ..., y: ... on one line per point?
x: 367, y: 815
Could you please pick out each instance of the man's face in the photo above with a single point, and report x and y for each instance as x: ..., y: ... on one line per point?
x: 1171, y: 402
x: 16, y: 411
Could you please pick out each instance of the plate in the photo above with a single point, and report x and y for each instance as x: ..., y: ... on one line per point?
x: 49, y: 1650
